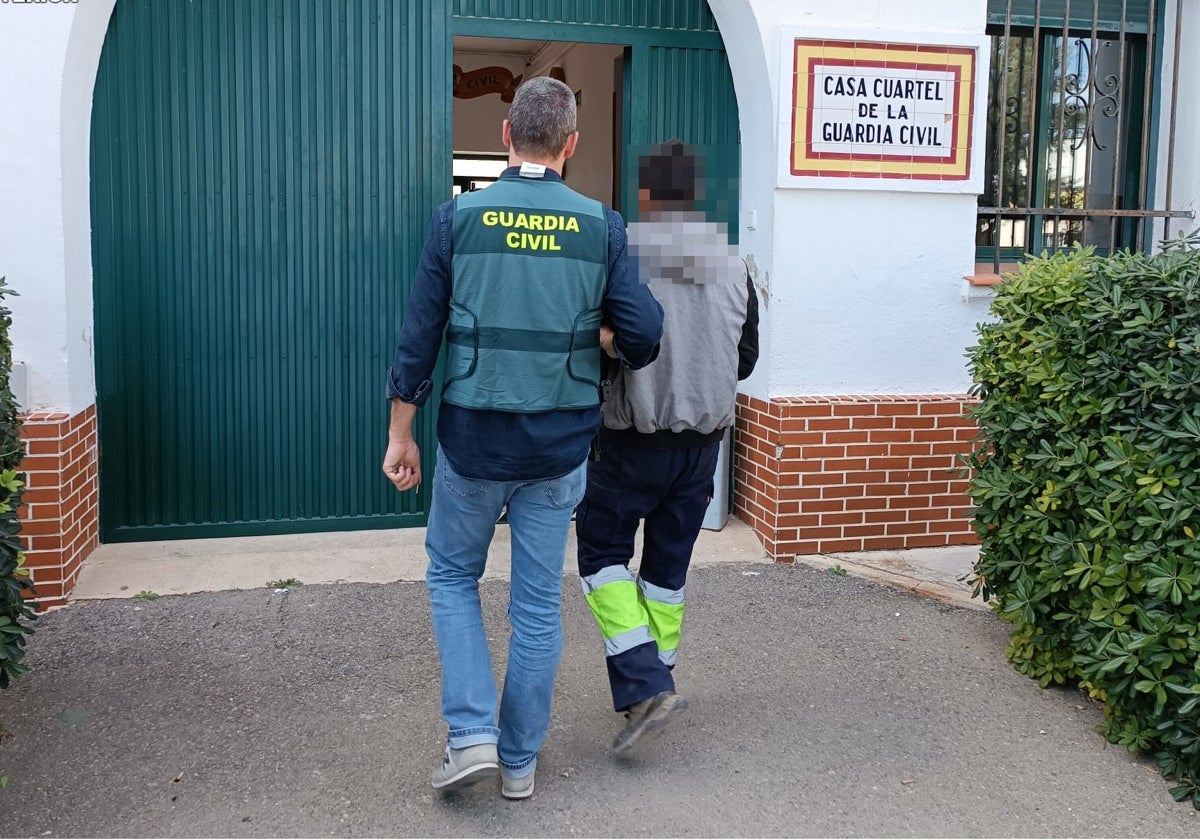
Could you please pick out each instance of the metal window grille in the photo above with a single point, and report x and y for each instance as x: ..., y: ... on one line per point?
x: 1071, y: 147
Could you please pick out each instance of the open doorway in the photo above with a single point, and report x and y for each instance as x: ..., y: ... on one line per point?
x: 487, y: 72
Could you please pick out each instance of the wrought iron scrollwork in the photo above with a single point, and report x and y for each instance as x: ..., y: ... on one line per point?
x: 1083, y: 93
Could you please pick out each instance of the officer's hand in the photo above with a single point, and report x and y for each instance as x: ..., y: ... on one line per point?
x: 402, y: 463
x: 606, y: 340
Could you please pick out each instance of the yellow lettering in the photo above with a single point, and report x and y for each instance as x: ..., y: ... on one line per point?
x: 505, y: 219
x: 522, y: 221
x: 532, y: 241
x: 572, y: 224
x: 490, y: 218
x: 535, y: 222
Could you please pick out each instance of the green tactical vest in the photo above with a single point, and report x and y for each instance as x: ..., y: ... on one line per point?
x: 529, y: 271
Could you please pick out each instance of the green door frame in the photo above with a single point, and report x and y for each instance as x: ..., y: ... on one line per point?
x: 639, y: 40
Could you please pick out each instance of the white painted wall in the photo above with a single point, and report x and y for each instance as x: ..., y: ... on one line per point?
x: 49, y: 54
x: 1185, y: 183
x: 861, y: 289
x: 33, y: 43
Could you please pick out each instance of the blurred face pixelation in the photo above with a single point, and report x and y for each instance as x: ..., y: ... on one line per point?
x: 675, y: 242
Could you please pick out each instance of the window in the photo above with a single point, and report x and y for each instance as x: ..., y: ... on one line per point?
x: 1073, y: 99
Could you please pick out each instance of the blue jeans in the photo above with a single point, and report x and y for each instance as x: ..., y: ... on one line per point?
x: 462, y: 521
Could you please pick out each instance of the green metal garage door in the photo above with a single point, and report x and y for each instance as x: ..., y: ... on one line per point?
x: 262, y: 178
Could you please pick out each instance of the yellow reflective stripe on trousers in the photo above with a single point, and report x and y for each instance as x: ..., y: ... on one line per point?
x: 664, y: 608
x: 614, y: 600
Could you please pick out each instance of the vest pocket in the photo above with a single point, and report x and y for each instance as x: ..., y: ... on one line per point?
x: 583, y: 359
x: 462, y: 344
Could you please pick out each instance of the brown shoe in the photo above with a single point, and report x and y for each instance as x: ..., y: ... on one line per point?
x: 648, y: 716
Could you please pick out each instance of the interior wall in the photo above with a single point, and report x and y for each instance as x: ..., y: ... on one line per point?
x: 589, y: 71
x: 477, y: 121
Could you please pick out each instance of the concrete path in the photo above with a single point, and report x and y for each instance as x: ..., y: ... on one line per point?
x: 823, y: 705
x: 123, y: 570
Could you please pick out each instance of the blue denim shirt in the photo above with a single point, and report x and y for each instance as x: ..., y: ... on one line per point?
x: 500, y: 445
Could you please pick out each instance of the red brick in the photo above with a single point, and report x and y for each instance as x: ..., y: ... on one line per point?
x: 826, y: 424
x: 908, y: 502
x: 840, y: 545
x: 40, y: 431
x: 942, y: 408
x: 891, y: 436
x: 854, y: 410
x: 866, y: 477
x: 845, y: 491
x: 809, y: 410
x: 907, y: 476
x: 821, y: 479
x: 808, y: 452
x: 883, y: 543
x: 41, y: 527
x: 845, y: 465
x: 916, y: 422
x: 848, y: 518
x: 823, y: 506
x: 889, y: 462
x: 850, y: 437
x: 894, y: 528
x: 824, y: 533
x: 866, y: 450
x: 799, y: 492
x: 881, y: 516
x: 928, y: 541
x: 873, y: 423
x: 909, y: 449
x: 862, y: 531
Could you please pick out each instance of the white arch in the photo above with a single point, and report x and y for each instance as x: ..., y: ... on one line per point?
x: 745, y: 47
x: 81, y: 62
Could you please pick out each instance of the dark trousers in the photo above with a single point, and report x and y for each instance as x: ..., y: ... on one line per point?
x: 670, y: 490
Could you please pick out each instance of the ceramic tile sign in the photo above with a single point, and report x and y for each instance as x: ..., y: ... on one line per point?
x: 883, y: 113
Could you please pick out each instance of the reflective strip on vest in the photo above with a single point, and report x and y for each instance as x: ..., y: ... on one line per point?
x: 616, y: 602
x: 664, y: 610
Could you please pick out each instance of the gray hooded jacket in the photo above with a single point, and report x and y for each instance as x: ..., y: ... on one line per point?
x: 702, y: 285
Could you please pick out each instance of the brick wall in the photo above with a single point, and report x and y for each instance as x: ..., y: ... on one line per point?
x: 853, y: 473
x: 60, y: 521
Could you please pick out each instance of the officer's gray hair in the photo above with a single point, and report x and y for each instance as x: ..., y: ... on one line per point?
x: 542, y: 117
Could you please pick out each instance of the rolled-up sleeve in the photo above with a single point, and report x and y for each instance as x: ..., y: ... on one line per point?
x: 410, y: 376
x: 636, y: 317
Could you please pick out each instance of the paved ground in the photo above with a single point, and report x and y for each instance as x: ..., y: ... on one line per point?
x: 822, y: 705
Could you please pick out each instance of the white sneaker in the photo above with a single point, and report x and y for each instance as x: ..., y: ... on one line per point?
x: 521, y: 788
x: 467, y: 766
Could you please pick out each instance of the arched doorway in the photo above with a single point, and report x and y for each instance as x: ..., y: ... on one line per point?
x: 261, y: 179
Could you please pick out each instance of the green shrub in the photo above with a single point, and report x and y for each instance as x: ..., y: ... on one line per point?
x: 1085, y: 483
x: 15, y: 610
